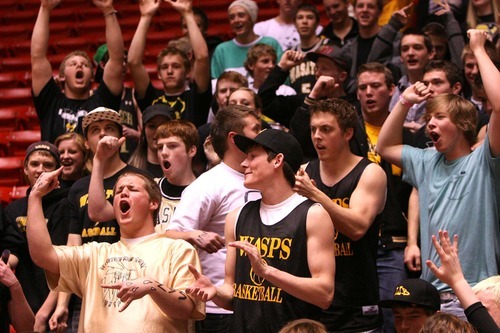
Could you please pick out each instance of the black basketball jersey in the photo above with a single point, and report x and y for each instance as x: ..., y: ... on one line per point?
x: 354, y: 307
x: 259, y: 306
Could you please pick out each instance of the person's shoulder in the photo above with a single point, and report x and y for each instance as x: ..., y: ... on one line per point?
x: 174, y: 244
x: 263, y: 26
x: 82, y: 183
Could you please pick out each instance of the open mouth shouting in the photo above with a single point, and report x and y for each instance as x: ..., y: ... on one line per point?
x: 124, y: 206
x: 166, y: 165
x: 434, y: 136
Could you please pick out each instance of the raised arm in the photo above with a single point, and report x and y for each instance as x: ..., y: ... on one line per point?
x: 100, y: 209
x: 41, y: 70
x: 365, y: 203
x: 136, y: 51
x: 390, y: 140
x: 450, y: 271
x: 491, y: 80
x: 41, y: 250
x: 20, y: 314
x: 456, y: 41
x: 201, y: 67
x: 113, y: 71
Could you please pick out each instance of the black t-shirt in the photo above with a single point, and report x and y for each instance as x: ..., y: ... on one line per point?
x: 154, y: 169
x: 59, y: 114
x: 56, y: 213
x: 80, y: 223
x: 191, y: 105
x: 364, y: 48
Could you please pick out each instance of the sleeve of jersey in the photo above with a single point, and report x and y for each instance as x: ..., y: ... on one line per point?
x: 75, y: 223
x: 73, y: 269
x: 183, y: 254
x: 413, y: 161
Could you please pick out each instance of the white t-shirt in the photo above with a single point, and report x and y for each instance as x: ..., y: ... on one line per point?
x: 286, y: 34
x: 204, y: 205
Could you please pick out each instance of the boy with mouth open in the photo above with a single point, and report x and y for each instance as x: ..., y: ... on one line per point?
x: 458, y: 187
x: 134, y: 285
x: 61, y: 108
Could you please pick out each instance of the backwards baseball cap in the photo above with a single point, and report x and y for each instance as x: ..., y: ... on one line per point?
x: 249, y: 5
x: 331, y: 52
x: 277, y: 141
x: 43, y: 146
x: 100, y: 52
x: 157, y: 110
x: 101, y: 113
x: 414, y: 291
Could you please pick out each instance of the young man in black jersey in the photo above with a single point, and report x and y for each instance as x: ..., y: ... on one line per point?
x: 352, y: 190
x: 279, y: 264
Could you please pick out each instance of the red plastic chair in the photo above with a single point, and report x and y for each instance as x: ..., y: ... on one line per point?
x: 15, y: 79
x: 20, y: 140
x: 11, y: 170
x: 18, y: 192
x: 18, y: 63
x: 15, y: 97
x: 8, y: 120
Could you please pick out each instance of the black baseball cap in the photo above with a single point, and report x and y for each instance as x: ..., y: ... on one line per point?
x: 157, y: 110
x: 414, y: 291
x: 277, y: 141
x: 43, y: 146
x: 332, y: 52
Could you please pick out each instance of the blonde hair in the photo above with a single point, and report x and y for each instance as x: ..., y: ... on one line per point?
x: 444, y: 322
x: 491, y: 286
x: 461, y: 111
x: 80, y: 142
x: 303, y: 326
x: 472, y: 18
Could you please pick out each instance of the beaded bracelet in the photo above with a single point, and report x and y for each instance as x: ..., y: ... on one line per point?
x: 405, y: 102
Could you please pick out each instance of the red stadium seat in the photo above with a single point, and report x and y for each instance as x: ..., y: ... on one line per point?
x: 8, y: 120
x: 20, y: 140
x: 19, y: 30
x: 19, y: 192
x: 15, y: 79
x: 11, y: 170
x: 11, y: 193
x: 18, y: 63
x: 67, y: 45
x: 15, y: 96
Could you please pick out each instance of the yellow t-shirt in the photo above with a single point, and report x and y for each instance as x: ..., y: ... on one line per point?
x: 372, y: 133
x: 84, y: 268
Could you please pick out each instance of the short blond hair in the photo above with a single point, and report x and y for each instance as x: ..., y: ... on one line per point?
x: 490, y: 286
x: 461, y: 111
